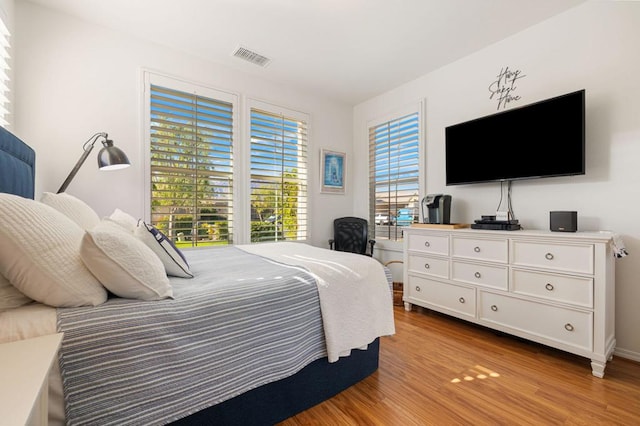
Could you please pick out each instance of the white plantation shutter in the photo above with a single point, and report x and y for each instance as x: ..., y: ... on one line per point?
x: 278, y: 176
x: 394, y: 176
x: 191, y: 166
x: 4, y: 73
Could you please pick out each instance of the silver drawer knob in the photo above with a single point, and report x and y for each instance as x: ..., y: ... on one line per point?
x: 568, y: 327
x: 426, y: 244
x: 477, y: 275
x: 461, y: 300
x: 548, y: 256
x: 549, y: 286
x: 476, y: 249
x: 494, y: 308
x: 417, y: 288
x: 426, y: 266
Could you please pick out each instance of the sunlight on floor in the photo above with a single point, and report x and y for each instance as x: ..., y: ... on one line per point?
x: 476, y: 372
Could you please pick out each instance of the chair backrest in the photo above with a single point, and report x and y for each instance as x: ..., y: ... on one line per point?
x: 351, y: 234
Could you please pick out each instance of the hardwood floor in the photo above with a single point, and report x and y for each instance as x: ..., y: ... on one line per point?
x: 437, y: 370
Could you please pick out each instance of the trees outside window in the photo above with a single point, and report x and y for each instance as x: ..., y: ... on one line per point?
x: 278, y: 175
x: 195, y: 182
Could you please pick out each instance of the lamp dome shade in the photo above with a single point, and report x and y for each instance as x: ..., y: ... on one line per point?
x: 112, y: 158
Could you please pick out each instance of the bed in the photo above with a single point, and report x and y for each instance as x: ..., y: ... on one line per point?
x: 196, y: 343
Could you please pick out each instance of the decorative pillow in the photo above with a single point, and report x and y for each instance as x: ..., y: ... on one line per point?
x: 10, y: 297
x: 125, y: 220
x: 172, y: 258
x: 72, y: 207
x: 123, y: 264
x: 39, y: 255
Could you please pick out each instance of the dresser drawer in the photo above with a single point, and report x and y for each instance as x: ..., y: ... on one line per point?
x: 437, y: 267
x: 430, y: 243
x: 494, y: 276
x: 492, y: 250
x: 570, y: 258
x: 443, y: 297
x: 559, y: 288
x: 565, y: 326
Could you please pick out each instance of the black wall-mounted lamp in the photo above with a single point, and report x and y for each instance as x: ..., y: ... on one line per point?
x: 109, y: 158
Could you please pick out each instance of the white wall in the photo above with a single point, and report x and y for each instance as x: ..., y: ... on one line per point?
x: 75, y: 79
x: 592, y: 47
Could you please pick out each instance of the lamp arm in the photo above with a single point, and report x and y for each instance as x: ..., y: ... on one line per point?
x: 88, y: 147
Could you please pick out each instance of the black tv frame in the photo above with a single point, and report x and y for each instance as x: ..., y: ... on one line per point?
x: 541, y: 139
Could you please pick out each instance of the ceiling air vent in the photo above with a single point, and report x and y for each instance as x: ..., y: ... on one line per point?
x: 253, y: 57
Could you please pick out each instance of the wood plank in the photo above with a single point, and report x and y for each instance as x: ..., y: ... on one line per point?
x: 438, y: 370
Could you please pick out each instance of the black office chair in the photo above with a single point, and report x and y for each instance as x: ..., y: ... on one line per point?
x: 351, y: 234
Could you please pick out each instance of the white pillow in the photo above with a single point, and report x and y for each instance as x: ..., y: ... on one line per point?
x: 10, y: 297
x: 72, y: 207
x: 172, y: 258
x: 125, y: 220
x: 123, y: 264
x: 39, y: 255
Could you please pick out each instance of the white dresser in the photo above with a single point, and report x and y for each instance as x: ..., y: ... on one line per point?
x: 554, y: 288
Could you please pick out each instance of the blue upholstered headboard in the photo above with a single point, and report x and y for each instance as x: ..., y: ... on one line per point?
x: 17, y: 165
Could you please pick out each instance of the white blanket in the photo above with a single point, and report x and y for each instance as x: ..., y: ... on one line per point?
x: 355, y: 299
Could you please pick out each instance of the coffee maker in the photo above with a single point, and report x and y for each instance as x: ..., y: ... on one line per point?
x: 436, y: 208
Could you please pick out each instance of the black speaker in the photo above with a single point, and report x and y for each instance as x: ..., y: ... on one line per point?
x: 563, y: 221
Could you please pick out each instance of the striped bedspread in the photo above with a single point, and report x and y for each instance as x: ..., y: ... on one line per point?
x: 243, y: 321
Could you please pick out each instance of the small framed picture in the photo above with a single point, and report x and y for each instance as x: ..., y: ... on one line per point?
x: 333, y: 165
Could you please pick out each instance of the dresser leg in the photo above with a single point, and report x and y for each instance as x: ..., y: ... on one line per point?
x: 407, y: 306
x: 597, y: 368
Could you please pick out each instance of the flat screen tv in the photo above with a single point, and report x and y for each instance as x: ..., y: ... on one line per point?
x: 543, y: 139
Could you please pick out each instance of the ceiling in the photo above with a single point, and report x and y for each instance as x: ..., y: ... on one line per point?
x: 347, y: 50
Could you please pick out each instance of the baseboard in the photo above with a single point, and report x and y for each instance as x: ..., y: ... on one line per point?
x: 627, y: 354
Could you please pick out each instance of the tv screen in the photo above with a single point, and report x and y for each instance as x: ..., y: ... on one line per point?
x: 542, y: 139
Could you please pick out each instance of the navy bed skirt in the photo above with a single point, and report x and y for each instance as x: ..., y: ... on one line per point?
x: 277, y: 401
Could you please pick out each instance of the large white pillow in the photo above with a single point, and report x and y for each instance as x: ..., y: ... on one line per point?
x: 125, y: 220
x: 172, y: 258
x: 40, y: 254
x: 11, y: 297
x: 123, y: 264
x: 72, y: 207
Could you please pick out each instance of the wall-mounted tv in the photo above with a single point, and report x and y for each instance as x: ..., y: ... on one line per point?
x: 542, y: 139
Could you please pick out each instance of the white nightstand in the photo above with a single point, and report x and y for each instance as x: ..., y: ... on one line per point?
x: 24, y: 369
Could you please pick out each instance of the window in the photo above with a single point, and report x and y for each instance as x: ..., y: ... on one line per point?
x: 208, y: 186
x: 4, y: 74
x: 191, y: 165
x: 394, y: 176
x: 278, y: 175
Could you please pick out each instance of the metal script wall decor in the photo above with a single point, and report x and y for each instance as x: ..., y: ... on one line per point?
x: 503, y: 88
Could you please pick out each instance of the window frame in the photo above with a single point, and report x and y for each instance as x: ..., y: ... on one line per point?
x: 177, y: 84
x: 418, y: 108
x: 241, y: 146
x: 251, y: 104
